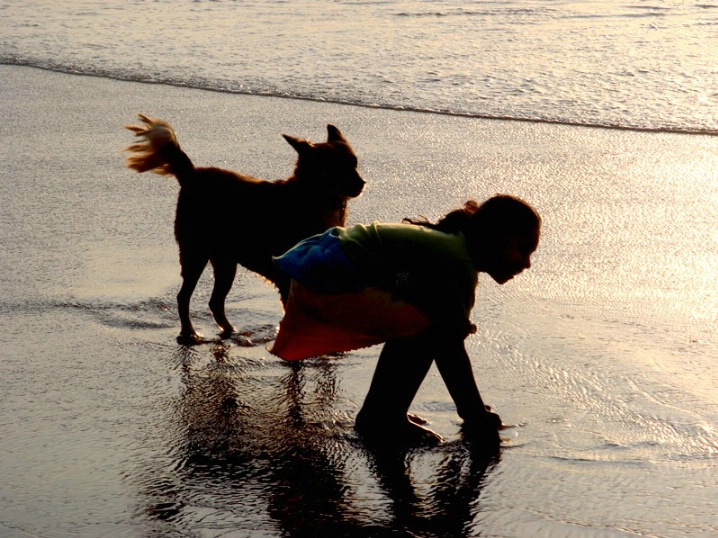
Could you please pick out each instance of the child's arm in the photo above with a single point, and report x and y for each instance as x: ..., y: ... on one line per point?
x: 454, y: 366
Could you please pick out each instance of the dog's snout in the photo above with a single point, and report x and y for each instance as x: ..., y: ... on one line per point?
x: 359, y: 182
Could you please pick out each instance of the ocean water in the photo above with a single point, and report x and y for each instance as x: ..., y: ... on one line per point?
x: 645, y: 64
x: 601, y: 357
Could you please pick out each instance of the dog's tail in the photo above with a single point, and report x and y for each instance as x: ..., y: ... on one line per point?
x: 158, y: 151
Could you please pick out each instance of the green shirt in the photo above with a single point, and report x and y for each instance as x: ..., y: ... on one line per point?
x: 426, y: 267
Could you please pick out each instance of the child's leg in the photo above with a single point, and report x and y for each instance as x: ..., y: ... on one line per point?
x: 402, y: 367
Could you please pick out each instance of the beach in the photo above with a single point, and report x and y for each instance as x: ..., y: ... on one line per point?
x: 601, y: 356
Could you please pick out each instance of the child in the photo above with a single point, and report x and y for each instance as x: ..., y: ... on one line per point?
x: 411, y: 285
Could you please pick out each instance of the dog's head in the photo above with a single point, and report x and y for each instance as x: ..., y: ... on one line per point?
x: 330, y: 166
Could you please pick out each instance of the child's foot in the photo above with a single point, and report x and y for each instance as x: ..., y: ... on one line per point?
x: 402, y: 432
x: 416, y: 419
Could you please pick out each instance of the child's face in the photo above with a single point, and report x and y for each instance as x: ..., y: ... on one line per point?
x: 513, y: 256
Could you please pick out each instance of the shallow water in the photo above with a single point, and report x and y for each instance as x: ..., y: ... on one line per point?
x: 601, y: 356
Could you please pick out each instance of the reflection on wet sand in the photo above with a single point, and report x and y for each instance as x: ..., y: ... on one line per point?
x: 261, y: 445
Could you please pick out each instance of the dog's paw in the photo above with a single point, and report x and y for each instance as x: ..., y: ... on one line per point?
x: 227, y: 333
x: 190, y: 339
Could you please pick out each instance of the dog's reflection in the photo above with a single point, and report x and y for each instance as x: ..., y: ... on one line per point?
x: 261, y: 445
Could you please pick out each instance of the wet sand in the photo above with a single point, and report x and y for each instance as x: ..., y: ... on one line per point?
x: 110, y: 428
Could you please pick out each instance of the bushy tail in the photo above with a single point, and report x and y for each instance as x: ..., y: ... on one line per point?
x: 158, y: 151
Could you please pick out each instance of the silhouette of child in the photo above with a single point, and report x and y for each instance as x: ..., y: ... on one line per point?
x: 412, y: 286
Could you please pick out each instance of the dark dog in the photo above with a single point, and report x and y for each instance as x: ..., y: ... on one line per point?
x: 227, y: 218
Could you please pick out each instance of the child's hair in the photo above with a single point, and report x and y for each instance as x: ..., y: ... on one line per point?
x: 502, y: 213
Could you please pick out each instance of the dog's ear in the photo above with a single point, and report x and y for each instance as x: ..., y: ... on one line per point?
x: 301, y: 146
x: 334, y: 134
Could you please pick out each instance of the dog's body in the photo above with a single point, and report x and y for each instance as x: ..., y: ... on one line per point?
x: 226, y: 218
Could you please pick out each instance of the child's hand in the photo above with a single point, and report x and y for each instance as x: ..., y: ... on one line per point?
x: 483, y: 429
x: 495, y: 417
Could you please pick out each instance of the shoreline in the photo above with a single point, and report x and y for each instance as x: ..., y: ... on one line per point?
x: 396, y: 108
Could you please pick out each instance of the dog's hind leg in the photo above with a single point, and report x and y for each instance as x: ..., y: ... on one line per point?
x: 224, y: 272
x: 192, y: 267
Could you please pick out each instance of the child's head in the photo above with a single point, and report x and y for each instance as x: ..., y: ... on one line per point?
x: 502, y: 234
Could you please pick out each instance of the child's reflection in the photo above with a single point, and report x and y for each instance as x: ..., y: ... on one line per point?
x: 264, y: 446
